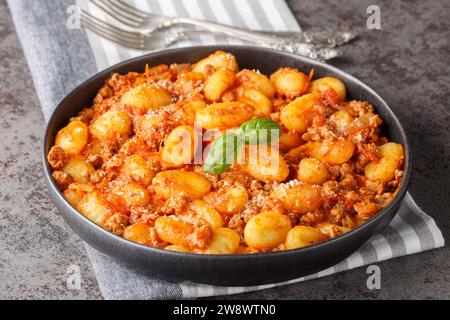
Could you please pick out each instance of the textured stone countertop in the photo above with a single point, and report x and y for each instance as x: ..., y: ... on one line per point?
x: 407, y: 62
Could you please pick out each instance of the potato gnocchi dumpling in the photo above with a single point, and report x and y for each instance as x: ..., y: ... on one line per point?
x: 75, y: 192
x: 137, y: 168
x: 299, y: 198
x: 217, y: 60
x: 94, y: 206
x: 179, y: 147
x: 226, y: 115
x: 79, y: 169
x: 228, y: 201
x: 322, y: 85
x: 302, y: 236
x: 206, y: 213
x: 218, y: 83
x: 267, y: 230
x: 255, y: 98
x: 111, y: 123
x: 341, y: 120
x: 144, y: 161
x: 144, y: 98
x: 290, y: 82
x: 73, y: 138
x: 297, y: 114
x: 312, y: 171
x: 173, y: 182
x: 265, y: 164
x: 257, y: 80
x: 175, y: 231
x: 332, y: 152
x: 290, y: 140
x: 391, y: 160
x: 224, y: 241
x: 138, y: 232
x: 134, y: 195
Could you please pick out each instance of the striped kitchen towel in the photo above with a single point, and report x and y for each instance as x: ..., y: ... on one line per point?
x: 60, y: 59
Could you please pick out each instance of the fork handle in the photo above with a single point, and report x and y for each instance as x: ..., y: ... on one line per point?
x: 322, y: 38
x: 304, y: 49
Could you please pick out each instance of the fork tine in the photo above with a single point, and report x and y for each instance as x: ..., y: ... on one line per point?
x: 118, y: 14
x: 130, y: 9
x: 111, y: 27
x: 114, y: 34
x: 110, y: 36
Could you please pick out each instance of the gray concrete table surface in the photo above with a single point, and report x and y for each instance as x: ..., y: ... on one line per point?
x: 406, y: 61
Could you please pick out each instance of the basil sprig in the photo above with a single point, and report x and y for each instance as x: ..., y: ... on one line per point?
x: 222, y: 154
x: 225, y: 149
x: 259, y: 131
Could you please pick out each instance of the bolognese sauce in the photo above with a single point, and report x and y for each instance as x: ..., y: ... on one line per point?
x: 120, y: 163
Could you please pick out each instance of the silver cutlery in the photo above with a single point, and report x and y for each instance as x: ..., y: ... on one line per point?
x: 161, y: 39
x: 148, y: 22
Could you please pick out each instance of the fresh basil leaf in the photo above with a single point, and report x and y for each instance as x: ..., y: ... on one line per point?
x: 224, y: 150
x: 258, y: 131
x: 223, y: 153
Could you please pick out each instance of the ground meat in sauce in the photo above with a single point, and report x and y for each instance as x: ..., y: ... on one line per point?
x: 347, y: 197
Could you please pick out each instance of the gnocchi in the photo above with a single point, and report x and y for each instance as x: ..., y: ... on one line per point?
x: 207, y: 213
x: 224, y: 115
x: 302, y: 236
x: 218, y: 60
x: 79, y: 169
x: 143, y: 161
x: 391, y: 160
x: 299, y: 198
x: 110, y: 123
x: 224, y: 241
x: 218, y: 83
x: 136, y: 167
x: 320, y: 86
x: 267, y: 230
x: 186, y: 115
x: 257, y: 80
x: 312, y: 171
x: 290, y: 140
x: 174, y: 231
x: 265, y: 164
x: 138, y: 232
x: 94, y: 206
x: 179, y: 147
x: 228, y: 201
x: 290, y: 82
x: 73, y: 138
x: 144, y: 98
x: 134, y: 195
x: 296, y: 115
x: 177, y: 248
x: 75, y: 192
x: 332, y: 152
x: 170, y: 183
x: 253, y: 97
x: 342, y: 120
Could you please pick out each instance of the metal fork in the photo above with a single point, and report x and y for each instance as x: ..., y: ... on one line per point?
x: 160, y: 39
x: 148, y: 22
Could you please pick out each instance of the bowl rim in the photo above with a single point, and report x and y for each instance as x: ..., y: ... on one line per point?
x: 53, y: 188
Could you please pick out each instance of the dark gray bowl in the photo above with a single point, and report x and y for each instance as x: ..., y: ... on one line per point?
x: 226, y: 270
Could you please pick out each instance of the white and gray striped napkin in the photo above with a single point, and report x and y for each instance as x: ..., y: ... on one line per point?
x: 59, y: 59
x: 252, y: 14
